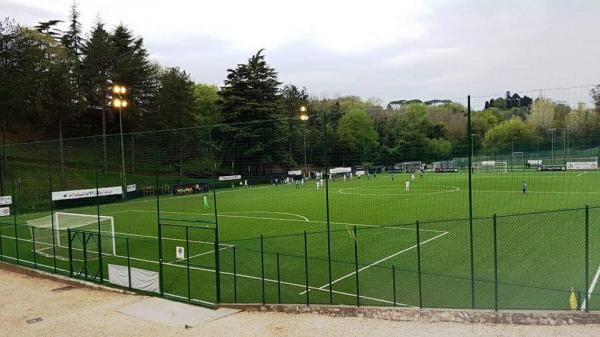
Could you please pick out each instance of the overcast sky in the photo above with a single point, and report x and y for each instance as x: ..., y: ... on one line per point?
x: 398, y: 49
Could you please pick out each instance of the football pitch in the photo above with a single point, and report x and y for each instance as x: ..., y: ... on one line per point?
x: 373, y: 253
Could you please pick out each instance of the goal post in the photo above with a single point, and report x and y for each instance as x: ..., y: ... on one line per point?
x: 53, y: 229
x: 491, y: 165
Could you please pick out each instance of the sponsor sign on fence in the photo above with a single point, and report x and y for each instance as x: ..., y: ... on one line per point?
x: 234, y: 177
x: 295, y: 173
x: 4, y: 211
x: 87, y: 193
x: 360, y: 173
x: 131, y: 188
x: 6, y: 200
x: 336, y: 170
x: 582, y: 165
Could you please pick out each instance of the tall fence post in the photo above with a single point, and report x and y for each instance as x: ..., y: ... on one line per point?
x: 187, y: 264
x: 262, y: 268
x: 495, y: 225
x: 394, y: 283
x: 419, y: 265
x: 306, y: 269
x: 217, y: 251
x: 1, y: 251
x: 234, y: 277
x: 12, y: 186
x: 587, y: 258
x: 159, y: 229
x: 326, y: 150
x: 33, y: 247
x: 128, y: 264
x: 70, y: 244
x: 356, y: 268
x: 278, y: 280
x: 98, y: 213
x: 470, y: 161
x: 52, y: 222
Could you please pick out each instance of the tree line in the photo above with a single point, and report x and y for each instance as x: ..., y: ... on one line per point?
x: 58, y: 83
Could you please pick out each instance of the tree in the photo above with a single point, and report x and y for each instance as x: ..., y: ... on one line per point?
x: 96, y: 72
x: 132, y: 68
x: 542, y: 114
x: 292, y: 99
x: 175, y: 104
x: 207, y: 97
x: 357, y: 137
x: 513, y: 132
x: 585, y: 122
x: 72, y: 39
x: 250, y: 105
x: 595, y: 92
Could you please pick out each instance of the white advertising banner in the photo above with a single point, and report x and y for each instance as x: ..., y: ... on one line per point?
x: 488, y: 163
x: 336, y: 170
x: 234, y: 177
x: 534, y: 162
x: 131, y: 188
x: 4, y: 211
x: 360, y: 173
x: 582, y: 165
x: 140, y: 278
x: 6, y: 200
x: 87, y: 193
x: 295, y: 173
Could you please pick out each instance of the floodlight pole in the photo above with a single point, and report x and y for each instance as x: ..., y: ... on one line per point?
x: 470, y: 161
x: 123, y: 182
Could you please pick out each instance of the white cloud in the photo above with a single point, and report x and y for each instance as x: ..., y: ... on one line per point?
x: 337, y: 25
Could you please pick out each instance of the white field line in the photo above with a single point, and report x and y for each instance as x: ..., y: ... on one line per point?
x: 179, y: 262
x: 378, y: 262
x: 279, y: 219
x: 224, y: 273
x: 405, y: 194
x: 582, y: 173
x: 591, y: 290
x: 538, y: 192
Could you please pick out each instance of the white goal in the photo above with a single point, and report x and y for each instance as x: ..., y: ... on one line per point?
x: 491, y: 165
x: 53, y: 229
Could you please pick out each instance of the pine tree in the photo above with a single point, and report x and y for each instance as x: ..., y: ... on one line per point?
x: 72, y: 39
x: 96, y: 70
x: 250, y: 99
x: 132, y: 68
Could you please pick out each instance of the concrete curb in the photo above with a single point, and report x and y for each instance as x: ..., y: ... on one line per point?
x: 432, y: 315
x: 57, y: 277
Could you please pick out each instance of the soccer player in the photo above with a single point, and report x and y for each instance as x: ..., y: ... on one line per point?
x: 524, y: 187
x: 318, y: 185
x: 297, y: 184
x: 205, y: 200
x: 246, y: 183
x: 407, y: 185
x: 412, y: 177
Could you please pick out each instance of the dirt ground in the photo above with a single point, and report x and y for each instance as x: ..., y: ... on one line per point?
x: 81, y: 311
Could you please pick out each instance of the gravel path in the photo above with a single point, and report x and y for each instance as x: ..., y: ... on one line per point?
x: 81, y: 311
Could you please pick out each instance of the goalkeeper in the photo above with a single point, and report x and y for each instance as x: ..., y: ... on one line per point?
x: 205, y: 200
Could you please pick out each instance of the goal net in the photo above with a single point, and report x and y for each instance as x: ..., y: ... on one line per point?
x: 53, y: 229
x: 491, y: 165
